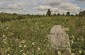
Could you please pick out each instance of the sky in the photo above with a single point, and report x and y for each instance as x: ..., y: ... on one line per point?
x: 41, y: 6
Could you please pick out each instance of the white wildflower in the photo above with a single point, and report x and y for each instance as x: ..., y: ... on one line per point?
x: 72, y: 53
x: 59, y: 53
x: 78, y: 38
x: 72, y: 41
x: 3, y: 36
x: 80, y: 51
x: 33, y: 43
x: 25, y: 46
x: 7, y: 28
x: 21, y: 50
x: 20, y: 45
x: 24, y: 53
x: 82, y: 39
x: 38, y: 49
x: 23, y: 41
x: 16, y: 39
x: 11, y: 33
x: 8, y: 54
x: 41, y: 25
x: 36, y: 24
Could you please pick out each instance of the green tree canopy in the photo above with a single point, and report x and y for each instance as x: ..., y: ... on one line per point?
x: 68, y: 13
x: 48, y: 12
x: 82, y: 13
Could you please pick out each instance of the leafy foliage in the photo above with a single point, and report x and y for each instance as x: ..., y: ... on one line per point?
x: 48, y: 12
x: 82, y: 13
x: 68, y: 13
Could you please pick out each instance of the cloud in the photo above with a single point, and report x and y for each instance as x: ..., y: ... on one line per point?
x: 60, y: 6
x: 12, y: 7
x: 15, y: 6
x: 69, y: 7
x: 42, y: 8
x: 39, y: 6
x: 54, y: 2
x: 80, y: 0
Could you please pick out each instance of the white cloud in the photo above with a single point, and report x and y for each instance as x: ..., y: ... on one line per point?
x: 15, y: 6
x: 38, y: 6
x: 80, y: 1
x: 69, y: 7
x: 59, y: 6
x: 42, y: 8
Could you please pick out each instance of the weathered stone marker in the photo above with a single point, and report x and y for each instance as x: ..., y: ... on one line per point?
x: 60, y: 40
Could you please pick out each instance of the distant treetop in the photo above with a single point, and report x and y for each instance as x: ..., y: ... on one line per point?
x: 48, y: 12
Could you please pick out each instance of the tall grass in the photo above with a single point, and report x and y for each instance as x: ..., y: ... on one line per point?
x: 29, y: 36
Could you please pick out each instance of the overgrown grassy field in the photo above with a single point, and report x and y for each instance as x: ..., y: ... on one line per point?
x: 29, y: 36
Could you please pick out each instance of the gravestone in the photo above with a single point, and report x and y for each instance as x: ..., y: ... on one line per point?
x: 59, y: 40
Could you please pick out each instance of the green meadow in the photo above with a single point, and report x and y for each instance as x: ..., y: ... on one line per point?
x: 28, y: 35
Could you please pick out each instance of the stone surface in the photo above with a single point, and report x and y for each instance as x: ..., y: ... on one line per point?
x: 59, y: 39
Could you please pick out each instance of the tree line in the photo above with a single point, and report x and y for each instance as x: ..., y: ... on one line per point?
x: 8, y: 16
x: 81, y: 13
